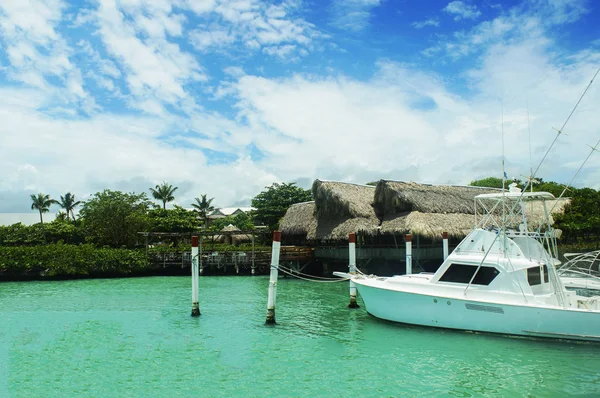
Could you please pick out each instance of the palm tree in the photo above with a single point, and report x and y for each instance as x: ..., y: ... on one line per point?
x: 42, y: 202
x: 62, y: 216
x: 203, y: 207
x: 164, y: 192
x: 68, y: 203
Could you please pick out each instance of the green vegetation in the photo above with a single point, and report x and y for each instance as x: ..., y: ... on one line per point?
x: 113, y: 218
x: 59, y: 260
x: 242, y: 221
x: 164, y: 192
x: 104, y: 239
x: 69, y: 204
x: 272, y: 203
x: 42, y: 202
x: 203, y: 207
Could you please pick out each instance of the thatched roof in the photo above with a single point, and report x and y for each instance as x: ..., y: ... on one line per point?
x: 232, y: 238
x: 458, y: 225
x: 299, y: 219
x: 342, y: 208
x: 403, y: 207
x: 340, y: 199
x: 430, y: 225
x: 392, y: 197
x: 340, y: 228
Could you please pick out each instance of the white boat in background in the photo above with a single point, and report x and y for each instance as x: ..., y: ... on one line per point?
x: 501, y: 279
x: 581, y: 273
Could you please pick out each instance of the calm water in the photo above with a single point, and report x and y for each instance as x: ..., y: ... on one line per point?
x: 134, y: 337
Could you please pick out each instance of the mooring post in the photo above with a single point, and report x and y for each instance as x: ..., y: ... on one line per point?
x: 195, y: 304
x: 408, y: 254
x: 273, y: 277
x: 352, y: 264
x: 445, y: 244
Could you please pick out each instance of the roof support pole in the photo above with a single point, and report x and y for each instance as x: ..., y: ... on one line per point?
x: 352, y: 266
x: 273, y: 278
x: 408, y: 254
x: 195, y: 303
x: 445, y: 244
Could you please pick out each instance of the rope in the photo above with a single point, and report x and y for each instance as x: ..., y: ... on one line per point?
x: 312, y: 280
x: 307, y: 275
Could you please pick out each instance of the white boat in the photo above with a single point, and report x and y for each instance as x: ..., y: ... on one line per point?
x: 501, y: 279
x: 581, y: 273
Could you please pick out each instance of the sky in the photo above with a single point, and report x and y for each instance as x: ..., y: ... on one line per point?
x: 225, y: 98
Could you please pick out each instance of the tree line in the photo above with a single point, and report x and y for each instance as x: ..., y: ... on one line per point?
x: 114, y: 218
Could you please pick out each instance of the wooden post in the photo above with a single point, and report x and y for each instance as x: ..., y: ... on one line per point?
x: 273, y: 277
x: 352, y: 265
x: 408, y: 254
x: 445, y: 244
x: 195, y: 303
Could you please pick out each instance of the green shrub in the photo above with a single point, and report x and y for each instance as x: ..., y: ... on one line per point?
x: 60, y: 260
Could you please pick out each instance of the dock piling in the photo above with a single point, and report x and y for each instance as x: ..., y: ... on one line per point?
x: 273, y: 278
x: 445, y: 244
x: 195, y: 303
x: 352, y: 266
x: 408, y: 254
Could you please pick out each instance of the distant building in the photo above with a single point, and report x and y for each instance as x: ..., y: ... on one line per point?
x: 228, y: 211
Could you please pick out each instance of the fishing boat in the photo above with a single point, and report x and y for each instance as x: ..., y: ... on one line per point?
x: 501, y: 278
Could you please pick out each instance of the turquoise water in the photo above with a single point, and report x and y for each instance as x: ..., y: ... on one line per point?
x: 135, y: 338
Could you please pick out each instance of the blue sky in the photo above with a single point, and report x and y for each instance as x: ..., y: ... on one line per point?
x: 227, y: 97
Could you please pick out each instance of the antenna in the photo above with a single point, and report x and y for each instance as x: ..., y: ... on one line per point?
x: 504, y: 176
x: 530, y: 162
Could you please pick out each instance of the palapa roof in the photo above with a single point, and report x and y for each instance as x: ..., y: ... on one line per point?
x: 335, y: 199
x: 342, y: 208
x: 392, y: 197
x: 299, y: 219
x: 430, y: 225
x: 232, y: 237
x: 402, y: 207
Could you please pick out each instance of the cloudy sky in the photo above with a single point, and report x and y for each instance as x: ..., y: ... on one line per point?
x: 226, y: 97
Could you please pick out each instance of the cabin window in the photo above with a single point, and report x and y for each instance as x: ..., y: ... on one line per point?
x: 462, y: 273
x: 534, y: 276
x: 545, y: 273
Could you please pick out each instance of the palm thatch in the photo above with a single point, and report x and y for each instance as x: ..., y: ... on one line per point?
x: 340, y: 228
x: 392, y: 197
x: 231, y: 237
x: 429, y: 225
x: 403, y: 207
x: 339, y: 199
x: 342, y: 208
x: 299, y: 219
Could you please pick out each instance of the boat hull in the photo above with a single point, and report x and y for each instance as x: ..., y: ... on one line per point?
x: 451, y: 313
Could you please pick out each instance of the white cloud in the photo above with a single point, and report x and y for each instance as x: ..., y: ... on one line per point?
x: 34, y: 48
x: 401, y: 122
x: 353, y: 15
x: 154, y: 67
x: 428, y: 22
x: 531, y: 19
x: 255, y: 24
x: 461, y: 10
